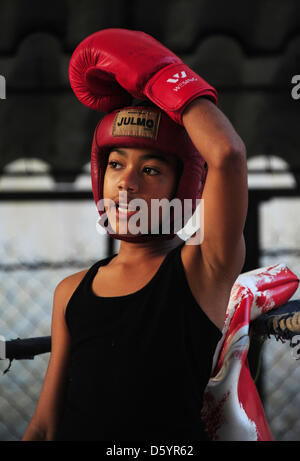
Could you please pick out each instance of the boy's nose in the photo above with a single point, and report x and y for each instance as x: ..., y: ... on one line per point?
x: 129, y: 181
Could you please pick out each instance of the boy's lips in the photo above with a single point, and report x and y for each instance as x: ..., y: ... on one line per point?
x: 122, y: 209
x: 124, y: 212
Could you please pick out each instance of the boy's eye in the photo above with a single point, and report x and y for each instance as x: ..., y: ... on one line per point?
x: 113, y: 164
x: 153, y: 169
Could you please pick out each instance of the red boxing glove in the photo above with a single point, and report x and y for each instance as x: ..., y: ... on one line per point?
x: 112, y: 64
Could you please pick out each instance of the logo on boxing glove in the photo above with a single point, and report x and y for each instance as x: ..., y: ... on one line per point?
x: 176, y: 77
x: 179, y: 76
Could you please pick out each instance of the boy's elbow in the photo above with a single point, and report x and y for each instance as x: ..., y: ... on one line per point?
x: 231, y: 155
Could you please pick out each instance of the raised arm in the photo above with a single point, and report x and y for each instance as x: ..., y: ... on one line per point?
x: 225, y: 194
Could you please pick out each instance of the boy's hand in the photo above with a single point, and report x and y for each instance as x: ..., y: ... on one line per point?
x: 112, y: 65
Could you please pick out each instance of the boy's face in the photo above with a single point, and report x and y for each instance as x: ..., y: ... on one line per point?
x: 134, y: 173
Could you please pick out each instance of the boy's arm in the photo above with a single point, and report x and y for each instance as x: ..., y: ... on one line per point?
x: 225, y: 193
x: 44, y: 423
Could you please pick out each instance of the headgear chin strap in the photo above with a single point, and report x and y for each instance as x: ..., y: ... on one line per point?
x: 147, y: 127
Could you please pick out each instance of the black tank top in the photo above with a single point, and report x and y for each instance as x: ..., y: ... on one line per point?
x: 139, y: 362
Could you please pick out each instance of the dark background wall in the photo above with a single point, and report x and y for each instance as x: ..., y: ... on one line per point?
x: 249, y: 50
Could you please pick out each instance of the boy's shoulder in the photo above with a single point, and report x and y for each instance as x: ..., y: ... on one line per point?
x: 67, y: 286
x: 72, y: 279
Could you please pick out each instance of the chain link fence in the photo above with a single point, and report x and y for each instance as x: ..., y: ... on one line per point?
x: 280, y: 242
x: 61, y: 239
x: 40, y: 244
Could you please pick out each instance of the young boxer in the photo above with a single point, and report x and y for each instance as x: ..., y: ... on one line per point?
x: 133, y: 336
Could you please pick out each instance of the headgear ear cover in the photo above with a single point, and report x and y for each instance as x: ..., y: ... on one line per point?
x: 147, y: 127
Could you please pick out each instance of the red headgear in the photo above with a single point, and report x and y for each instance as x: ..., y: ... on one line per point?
x: 147, y: 127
